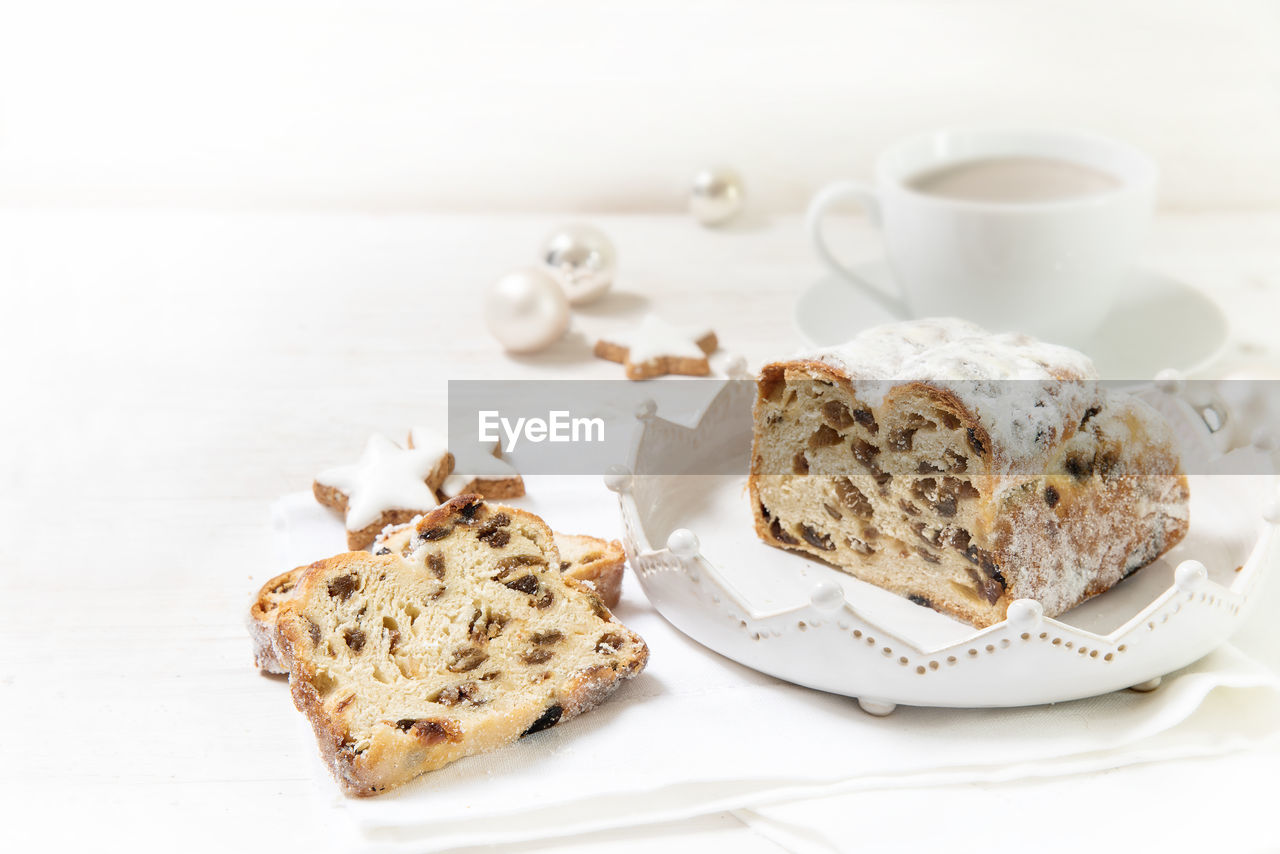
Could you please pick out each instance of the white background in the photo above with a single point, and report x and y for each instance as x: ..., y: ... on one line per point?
x: 587, y: 105
x: 168, y: 375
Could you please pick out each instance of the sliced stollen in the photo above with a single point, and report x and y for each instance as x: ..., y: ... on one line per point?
x: 404, y: 664
x: 592, y: 561
x: 962, y: 469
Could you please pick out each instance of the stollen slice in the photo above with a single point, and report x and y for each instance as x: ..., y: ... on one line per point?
x: 596, y: 562
x: 406, y: 663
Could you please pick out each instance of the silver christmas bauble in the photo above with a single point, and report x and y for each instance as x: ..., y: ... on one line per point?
x: 717, y: 196
x: 526, y: 310
x: 583, y: 259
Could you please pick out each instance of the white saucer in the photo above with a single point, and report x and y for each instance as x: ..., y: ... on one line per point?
x: 1158, y: 323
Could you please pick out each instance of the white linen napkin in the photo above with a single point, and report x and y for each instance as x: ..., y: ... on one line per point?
x: 1212, y: 803
x: 697, y: 733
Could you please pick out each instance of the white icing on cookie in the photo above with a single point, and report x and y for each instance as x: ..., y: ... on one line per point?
x: 490, y: 466
x: 654, y: 339
x: 387, y: 477
x: 423, y: 439
x: 486, y: 468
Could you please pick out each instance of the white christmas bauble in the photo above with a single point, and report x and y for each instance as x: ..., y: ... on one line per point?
x: 526, y: 310
x: 583, y: 259
x: 717, y: 196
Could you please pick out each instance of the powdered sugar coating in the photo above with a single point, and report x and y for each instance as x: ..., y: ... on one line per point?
x: 882, y: 352
x: 1025, y: 392
x: 1096, y: 550
x: 948, y: 348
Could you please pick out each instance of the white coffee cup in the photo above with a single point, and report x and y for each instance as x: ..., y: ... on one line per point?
x: 1050, y: 267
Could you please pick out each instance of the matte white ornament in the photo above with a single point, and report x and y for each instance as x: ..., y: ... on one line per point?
x: 716, y: 196
x: 1148, y: 686
x: 526, y: 310
x: 646, y: 409
x: 582, y: 259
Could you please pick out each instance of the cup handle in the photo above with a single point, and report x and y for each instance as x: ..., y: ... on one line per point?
x: 864, y: 196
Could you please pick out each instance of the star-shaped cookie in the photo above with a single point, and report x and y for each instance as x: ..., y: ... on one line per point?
x: 388, y: 486
x: 489, y: 476
x: 656, y: 347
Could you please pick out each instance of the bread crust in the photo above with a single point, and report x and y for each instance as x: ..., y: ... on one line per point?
x: 262, y: 618
x: 392, y: 755
x: 595, y: 561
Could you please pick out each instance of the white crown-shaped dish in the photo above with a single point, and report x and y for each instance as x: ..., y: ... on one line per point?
x: 690, y: 539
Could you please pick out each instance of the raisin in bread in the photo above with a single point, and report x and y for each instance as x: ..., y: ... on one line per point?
x: 595, y: 562
x: 963, y: 470
x: 404, y: 664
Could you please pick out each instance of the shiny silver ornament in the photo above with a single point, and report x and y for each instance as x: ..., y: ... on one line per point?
x: 583, y: 259
x: 526, y: 310
x: 717, y: 196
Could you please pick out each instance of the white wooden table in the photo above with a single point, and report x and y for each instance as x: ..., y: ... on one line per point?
x: 166, y: 375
